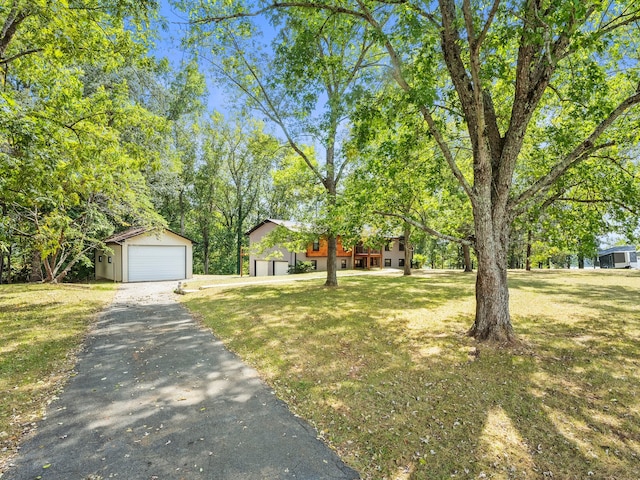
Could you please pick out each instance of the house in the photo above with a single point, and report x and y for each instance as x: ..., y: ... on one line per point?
x: 618, y: 257
x: 278, y: 259
x: 138, y: 255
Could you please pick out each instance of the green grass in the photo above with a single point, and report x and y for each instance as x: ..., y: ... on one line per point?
x: 382, y: 367
x: 41, y: 328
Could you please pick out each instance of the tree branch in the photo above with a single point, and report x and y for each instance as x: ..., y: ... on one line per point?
x: 599, y: 200
x: 446, y: 151
x: 4, y: 61
x: 269, y: 108
x: 11, y: 24
x: 427, y: 229
x: 579, y: 153
x: 483, y: 34
x: 278, y: 5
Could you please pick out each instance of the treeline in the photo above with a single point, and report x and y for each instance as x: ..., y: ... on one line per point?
x: 97, y: 135
x: 80, y: 125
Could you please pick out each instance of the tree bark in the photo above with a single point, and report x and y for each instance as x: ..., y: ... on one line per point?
x: 493, y: 321
x: 36, y: 267
x: 407, y: 249
x: 332, y: 248
x: 9, y: 264
x: 581, y: 261
x: 205, y: 248
x: 48, y: 269
x: 182, y: 212
x: 466, y: 252
x: 239, y: 239
x: 528, y: 260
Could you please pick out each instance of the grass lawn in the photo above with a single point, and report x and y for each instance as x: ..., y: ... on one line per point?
x: 41, y: 328
x: 382, y: 367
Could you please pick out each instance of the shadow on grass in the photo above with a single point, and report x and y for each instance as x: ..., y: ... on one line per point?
x: 41, y: 326
x: 158, y: 397
x: 381, y: 366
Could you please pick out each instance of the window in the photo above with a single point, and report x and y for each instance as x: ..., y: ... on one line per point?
x: 633, y: 257
x: 109, y: 259
x: 387, y: 247
x: 100, y: 258
x: 343, y: 263
x: 619, y: 257
x: 314, y: 264
x: 401, y: 245
x: 316, y: 245
x: 401, y: 262
x: 359, y: 263
x: 387, y: 262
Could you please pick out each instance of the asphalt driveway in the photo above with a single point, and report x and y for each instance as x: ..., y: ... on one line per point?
x: 155, y: 396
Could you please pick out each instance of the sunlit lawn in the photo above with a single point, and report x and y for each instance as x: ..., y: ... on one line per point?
x: 383, y: 369
x: 41, y: 327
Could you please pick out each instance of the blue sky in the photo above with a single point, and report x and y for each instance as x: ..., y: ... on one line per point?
x: 169, y: 46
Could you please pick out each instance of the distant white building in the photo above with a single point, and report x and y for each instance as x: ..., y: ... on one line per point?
x: 277, y: 260
x: 618, y: 257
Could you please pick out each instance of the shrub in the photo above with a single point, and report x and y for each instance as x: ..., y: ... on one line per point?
x: 301, y: 267
x: 419, y: 260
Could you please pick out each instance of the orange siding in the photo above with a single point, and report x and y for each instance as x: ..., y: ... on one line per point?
x: 324, y: 249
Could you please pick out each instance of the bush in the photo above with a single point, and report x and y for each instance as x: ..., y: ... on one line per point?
x: 301, y: 267
x: 419, y: 260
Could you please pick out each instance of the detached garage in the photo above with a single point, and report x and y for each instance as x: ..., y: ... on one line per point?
x: 141, y: 256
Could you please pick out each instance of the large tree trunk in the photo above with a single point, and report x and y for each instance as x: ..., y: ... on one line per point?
x: 332, y: 248
x: 493, y: 321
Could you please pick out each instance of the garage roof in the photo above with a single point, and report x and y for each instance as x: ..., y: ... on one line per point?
x: 134, y: 232
x: 288, y: 224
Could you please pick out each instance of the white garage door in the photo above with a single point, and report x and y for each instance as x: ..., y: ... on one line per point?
x: 281, y: 268
x: 154, y: 263
x: 262, y: 268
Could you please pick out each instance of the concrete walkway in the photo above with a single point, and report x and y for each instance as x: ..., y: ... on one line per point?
x: 158, y: 397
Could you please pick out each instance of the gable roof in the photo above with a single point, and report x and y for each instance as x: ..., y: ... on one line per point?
x: 295, y: 226
x: 288, y: 224
x: 134, y: 232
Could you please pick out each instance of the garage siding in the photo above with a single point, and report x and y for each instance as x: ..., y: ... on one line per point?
x: 155, y: 263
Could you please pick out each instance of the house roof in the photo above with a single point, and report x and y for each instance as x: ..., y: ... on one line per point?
x: 295, y: 226
x: 134, y: 232
x: 288, y: 224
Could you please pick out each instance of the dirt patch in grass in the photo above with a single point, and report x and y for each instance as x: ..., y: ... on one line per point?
x: 382, y: 367
x: 42, y: 328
